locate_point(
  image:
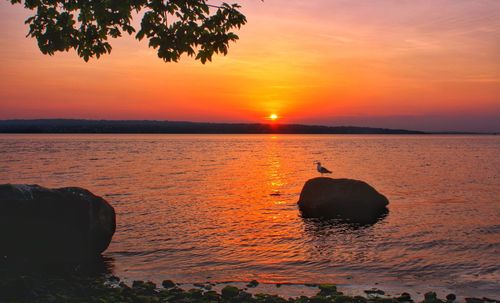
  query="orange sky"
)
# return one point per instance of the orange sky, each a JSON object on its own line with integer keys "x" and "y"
{"x": 388, "y": 63}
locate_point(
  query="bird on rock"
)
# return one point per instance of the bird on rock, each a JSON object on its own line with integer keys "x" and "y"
{"x": 322, "y": 170}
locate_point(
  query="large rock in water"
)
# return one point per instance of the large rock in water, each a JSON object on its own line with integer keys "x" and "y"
{"x": 346, "y": 199}
{"x": 60, "y": 224}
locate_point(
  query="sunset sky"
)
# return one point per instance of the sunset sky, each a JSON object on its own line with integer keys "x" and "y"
{"x": 415, "y": 64}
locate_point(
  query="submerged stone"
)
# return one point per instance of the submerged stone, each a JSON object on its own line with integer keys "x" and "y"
{"x": 195, "y": 293}
{"x": 404, "y": 297}
{"x": 211, "y": 295}
{"x": 430, "y": 297}
{"x": 150, "y": 285}
{"x": 374, "y": 291}
{"x": 230, "y": 291}
{"x": 168, "y": 284}
{"x": 327, "y": 289}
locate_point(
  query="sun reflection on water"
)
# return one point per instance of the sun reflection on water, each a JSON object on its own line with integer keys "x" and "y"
{"x": 192, "y": 207}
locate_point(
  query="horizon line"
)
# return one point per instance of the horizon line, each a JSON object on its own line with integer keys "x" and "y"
{"x": 267, "y": 124}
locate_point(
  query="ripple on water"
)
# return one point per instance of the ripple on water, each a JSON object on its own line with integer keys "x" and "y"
{"x": 196, "y": 206}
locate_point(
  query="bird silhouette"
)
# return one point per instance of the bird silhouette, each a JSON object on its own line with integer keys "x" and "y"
{"x": 322, "y": 170}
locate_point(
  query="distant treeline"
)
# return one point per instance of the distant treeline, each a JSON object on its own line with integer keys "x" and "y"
{"x": 66, "y": 126}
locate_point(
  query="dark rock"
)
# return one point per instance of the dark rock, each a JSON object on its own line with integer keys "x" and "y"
{"x": 273, "y": 299}
{"x": 253, "y": 283}
{"x": 114, "y": 279}
{"x": 374, "y": 291}
{"x": 137, "y": 284}
{"x": 351, "y": 200}
{"x": 207, "y": 287}
{"x": 195, "y": 294}
{"x": 150, "y": 285}
{"x": 404, "y": 297}
{"x": 430, "y": 297}
{"x": 230, "y": 291}
{"x": 211, "y": 296}
{"x": 168, "y": 284}
{"x": 58, "y": 224}
{"x": 244, "y": 296}
{"x": 319, "y": 299}
{"x": 327, "y": 289}
{"x": 123, "y": 285}
{"x": 474, "y": 300}
{"x": 451, "y": 297}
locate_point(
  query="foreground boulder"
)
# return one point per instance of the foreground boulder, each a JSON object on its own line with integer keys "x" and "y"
{"x": 60, "y": 224}
{"x": 346, "y": 199}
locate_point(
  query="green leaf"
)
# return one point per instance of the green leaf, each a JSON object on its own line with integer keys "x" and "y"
{"x": 175, "y": 28}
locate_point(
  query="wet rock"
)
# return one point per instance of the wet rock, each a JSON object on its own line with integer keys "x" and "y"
{"x": 230, "y": 291}
{"x": 327, "y": 289}
{"x": 168, "y": 284}
{"x": 451, "y": 297}
{"x": 430, "y": 297}
{"x": 122, "y": 285}
{"x": 404, "y": 297}
{"x": 149, "y": 285}
{"x": 347, "y": 199}
{"x": 211, "y": 296}
{"x": 114, "y": 279}
{"x": 271, "y": 298}
{"x": 374, "y": 291}
{"x": 244, "y": 296}
{"x": 137, "y": 283}
{"x": 319, "y": 299}
{"x": 207, "y": 287}
{"x": 195, "y": 294}
{"x": 38, "y": 223}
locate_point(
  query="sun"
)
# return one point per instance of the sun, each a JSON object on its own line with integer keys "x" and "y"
{"x": 273, "y": 117}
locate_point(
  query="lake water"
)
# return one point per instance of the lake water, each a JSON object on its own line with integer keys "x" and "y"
{"x": 194, "y": 208}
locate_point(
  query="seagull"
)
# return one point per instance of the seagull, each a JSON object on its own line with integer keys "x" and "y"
{"x": 322, "y": 170}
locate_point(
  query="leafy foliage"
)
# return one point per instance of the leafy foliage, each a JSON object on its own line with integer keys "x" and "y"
{"x": 173, "y": 27}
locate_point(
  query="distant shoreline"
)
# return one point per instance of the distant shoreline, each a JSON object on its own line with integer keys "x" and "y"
{"x": 80, "y": 126}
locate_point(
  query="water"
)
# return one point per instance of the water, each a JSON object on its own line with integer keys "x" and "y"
{"x": 194, "y": 208}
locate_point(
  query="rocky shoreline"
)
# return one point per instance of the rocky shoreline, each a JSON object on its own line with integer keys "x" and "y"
{"x": 38, "y": 288}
